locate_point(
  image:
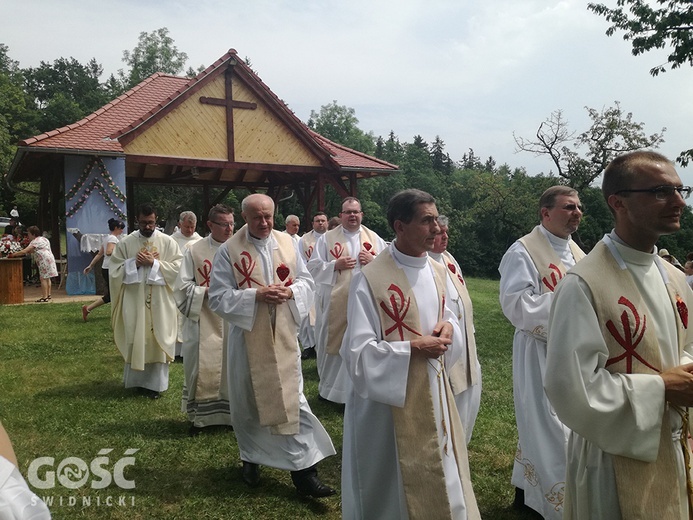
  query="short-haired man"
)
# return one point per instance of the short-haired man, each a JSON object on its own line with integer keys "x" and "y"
{"x": 306, "y": 246}
{"x": 619, "y": 369}
{"x": 292, "y": 225}
{"x": 262, "y": 288}
{"x": 530, "y": 270}
{"x": 205, "y": 391}
{"x": 465, "y": 375}
{"x": 144, "y": 266}
{"x": 338, "y": 254}
{"x": 404, "y": 452}
{"x": 186, "y": 234}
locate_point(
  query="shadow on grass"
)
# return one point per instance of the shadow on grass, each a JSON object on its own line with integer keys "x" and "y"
{"x": 109, "y": 390}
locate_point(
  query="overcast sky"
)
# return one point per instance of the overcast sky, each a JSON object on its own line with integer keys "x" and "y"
{"x": 471, "y": 71}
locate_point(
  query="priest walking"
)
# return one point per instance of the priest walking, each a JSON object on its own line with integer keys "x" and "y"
{"x": 143, "y": 269}
{"x": 261, "y": 286}
{"x": 404, "y": 452}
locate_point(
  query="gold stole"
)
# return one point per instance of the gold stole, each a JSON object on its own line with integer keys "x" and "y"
{"x": 545, "y": 259}
{"x": 308, "y": 244}
{"x": 211, "y": 334}
{"x": 463, "y": 374}
{"x": 645, "y": 489}
{"x": 338, "y": 247}
{"x": 418, "y": 447}
{"x": 271, "y": 344}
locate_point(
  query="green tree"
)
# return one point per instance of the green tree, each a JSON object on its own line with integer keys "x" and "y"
{"x": 154, "y": 52}
{"x": 612, "y": 133}
{"x": 653, "y": 25}
{"x": 339, "y": 123}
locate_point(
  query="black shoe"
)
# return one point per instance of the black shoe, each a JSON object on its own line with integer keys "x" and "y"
{"x": 194, "y": 431}
{"x": 308, "y": 353}
{"x": 309, "y": 485}
{"x": 152, "y": 394}
{"x": 250, "y": 473}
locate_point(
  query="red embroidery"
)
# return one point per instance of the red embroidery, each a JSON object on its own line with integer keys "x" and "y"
{"x": 309, "y": 252}
{"x": 205, "y": 272}
{"x": 368, "y": 247}
{"x": 683, "y": 311}
{"x": 282, "y": 272}
{"x": 337, "y": 251}
{"x": 246, "y": 270}
{"x": 551, "y": 285}
{"x": 630, "y": 339}
{"x": 400, "y": 308}
{"x": 452, "y": 267}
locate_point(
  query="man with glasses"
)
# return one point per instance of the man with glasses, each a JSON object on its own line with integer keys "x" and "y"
{"x": 530, "y": 271}
{"x": 338, "y": 254}
{"x": 619, "y": 369}
{"x": 144, "y": 266}
{"x": 306, "y": 246}
{"x": 205, "y": 390}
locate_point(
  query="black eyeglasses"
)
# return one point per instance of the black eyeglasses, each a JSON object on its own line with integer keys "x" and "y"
{"x": 226, "y": 225}
{"x": 663, "y": 192}
{"x": 572, "y": 207}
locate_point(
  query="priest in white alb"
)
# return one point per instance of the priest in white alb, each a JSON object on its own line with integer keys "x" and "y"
{"x": 261, "y": 287}
{"x": 205, "y": 388}
{"x": 404, "y": 453}
{"x": 144, "y": 266}
{"x": 338, "y": 254}
{"x": 619, "y": 370}
{"x": 530, "y": 270}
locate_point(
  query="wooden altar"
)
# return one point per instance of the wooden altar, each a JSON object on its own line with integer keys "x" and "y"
{"x": 11, "y": 282}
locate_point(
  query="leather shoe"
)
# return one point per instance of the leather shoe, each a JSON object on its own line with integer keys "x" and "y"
{"x": 308, "y": 353}
{"x": 250, "y": 473}
{"x": 311, "y": 486}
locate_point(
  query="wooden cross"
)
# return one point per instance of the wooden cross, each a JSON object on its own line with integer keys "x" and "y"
{"x": 230, "y": 104}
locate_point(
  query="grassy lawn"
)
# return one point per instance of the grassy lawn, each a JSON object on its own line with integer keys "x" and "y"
{"x": 61, "y": 396}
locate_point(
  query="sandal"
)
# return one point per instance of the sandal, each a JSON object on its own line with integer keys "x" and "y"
{"x": 42, "y": 300}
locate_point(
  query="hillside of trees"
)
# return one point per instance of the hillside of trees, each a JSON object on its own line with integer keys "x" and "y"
{"x": 489, "y": 205}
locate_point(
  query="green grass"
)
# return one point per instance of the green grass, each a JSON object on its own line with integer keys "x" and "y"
{"x": 61, "y": 395}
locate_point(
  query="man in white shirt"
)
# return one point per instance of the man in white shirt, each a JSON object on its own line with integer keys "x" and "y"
{"x": 530, "y": 270}
{"x": 293, "y": 225}
{"x": 619, "y": 370}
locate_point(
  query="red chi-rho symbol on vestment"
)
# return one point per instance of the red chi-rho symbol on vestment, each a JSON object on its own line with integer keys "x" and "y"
{"x": 555, "y": 278}
{"x": 205, "y": 272}
{"x": 246, "y": 270}
{"x": 283, "y": 272}
{"x": 337, "y": 250}
{"x": 631, "y": 337}
{"x": 399, "y": 307}
{"x": 309, "y": 252}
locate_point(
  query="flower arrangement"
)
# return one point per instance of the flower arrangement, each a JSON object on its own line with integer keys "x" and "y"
{"x": 9, "y": 245}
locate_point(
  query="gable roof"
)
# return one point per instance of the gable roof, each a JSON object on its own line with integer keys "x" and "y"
{"x": 107, "y": 130}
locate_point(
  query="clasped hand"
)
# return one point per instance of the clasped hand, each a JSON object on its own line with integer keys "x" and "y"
{"x": 435, "y": 344}
{"x": 678, "y": 385}
{"x": 146, "y": 258}
{"x": 274, "y": 293}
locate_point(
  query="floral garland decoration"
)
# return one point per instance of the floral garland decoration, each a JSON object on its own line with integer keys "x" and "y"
{"x": 95, "y": 184}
